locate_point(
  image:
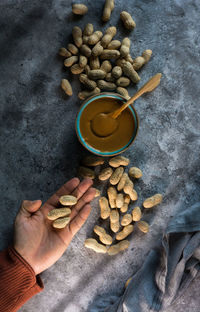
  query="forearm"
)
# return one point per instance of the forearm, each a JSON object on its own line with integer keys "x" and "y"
{"x": 18, "y": 281}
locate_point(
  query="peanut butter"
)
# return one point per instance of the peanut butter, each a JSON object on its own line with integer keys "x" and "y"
{"x": 122, "y": 133}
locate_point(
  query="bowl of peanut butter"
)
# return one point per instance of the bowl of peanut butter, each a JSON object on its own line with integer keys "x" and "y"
{"x": 106, "y": 138}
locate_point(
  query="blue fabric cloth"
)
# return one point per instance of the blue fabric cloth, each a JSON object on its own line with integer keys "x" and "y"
{"x": 168, "y": 270}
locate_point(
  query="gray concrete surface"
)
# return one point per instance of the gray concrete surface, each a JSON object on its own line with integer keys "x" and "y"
{"x": 39, "y": 150}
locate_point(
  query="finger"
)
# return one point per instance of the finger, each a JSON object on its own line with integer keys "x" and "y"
{"x": 29, "y": 207}
{"x": 82, "y": 188}
{"x": 66, "y": 189}
{"x": 85, "y": 199}
{"x": 46, "y": 208}
{"x": 79, "y": 220}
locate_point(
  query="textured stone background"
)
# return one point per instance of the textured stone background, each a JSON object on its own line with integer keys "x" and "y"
{"x": 38, "y": 146}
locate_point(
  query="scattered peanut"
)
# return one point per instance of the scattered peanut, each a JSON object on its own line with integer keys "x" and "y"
{"x": 126, "y": 220}
{"x": 79, "y": 9}
{"x": 136, "y": 214}
{"x": 104, "y": 85}
{"x": 106, "y": 66}
{"x": 125, "y": 47}
{"x": 85, "y": 94}
{"x": 114, "y": 45}
{"x": 147, "y": 55}
{"x": 103, "y": 236}
{"x": 116, "y": 72}
{"x": 120, "y": 61}
{"x": 135, "y": 172}
{"x": 90, "y": 84}
{"x": 143, "y": 226}
{"x": 95, "y": 37}
{"x": 105, "y": 209}
{"x": 95, "y": 74}
{"x": 152, "y": 201}
{"x": 124, "y": 208}
{"x": 123, "y": 92}
{"x": 72, "y": 49}
{"x": 130, "y": 72}
{"x": 119, "y": 200}
{"x": 85, "y": 39}
{"x": 86, "y": 172}
{"x": 114, "y": 221}
{"x": 83, "y": 61}
{"x": 77, "y": 36}
{"x": 97, "y": 49}
{"x": 109, "y": 77}
{"x": 112, "y": 194}
{"x": 94, "y": 62}
{"x": 127, "y": 199}
{"x": 127, "y": 230}
{"x": 109, "y": 54}
{"x": 93, "y": 161}
{"x": 88, "y": 30}
{"x": 76, "y": 69}
{"x": 127, "y": 20}
{"x": 122, "y": 181}
{"x": 108, "y": 7}
{"x": 66, "y": 86}
{"x": 118, "y": 161}
{"x": 123, "y": 82}
{"x": 64, "y": 52}
{"x": 115, "y": 249}
{"x": 68, "y": 200}
{"x": 87, "y": 69}
{"x": 128, "y": 189}
{"x": 94, "y": 245}
{"x": 68, "y": 62}
{"x": 105, "y": 174}
{"x": 116, "y": 176}
{"x": 57, "y": 213}
{"x": 109, "y": 34}
{"x": 128, "y": 58}
{"x": 139, "y": 61}
{"x": 85, "y": 50}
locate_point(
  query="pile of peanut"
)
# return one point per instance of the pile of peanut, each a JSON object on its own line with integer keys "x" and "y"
{"x": 61, "y": 216}
{"x": 115, "y": 207}
{"x": 102, "y": 63}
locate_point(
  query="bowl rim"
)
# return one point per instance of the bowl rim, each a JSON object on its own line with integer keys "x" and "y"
{"x": 93, "y": 150}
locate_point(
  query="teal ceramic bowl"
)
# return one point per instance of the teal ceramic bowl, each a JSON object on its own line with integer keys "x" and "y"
{"x": 87, "y": 102}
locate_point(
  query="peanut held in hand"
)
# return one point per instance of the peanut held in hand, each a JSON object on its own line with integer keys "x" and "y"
{"x": 57, "y": 213}
{"x": 68, "y": 200}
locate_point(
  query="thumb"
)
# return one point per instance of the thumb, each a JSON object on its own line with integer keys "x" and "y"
{"x": 28, "y": 207}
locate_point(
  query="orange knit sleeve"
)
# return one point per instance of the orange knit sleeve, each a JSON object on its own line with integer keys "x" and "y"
{"x": 18, "y": 282}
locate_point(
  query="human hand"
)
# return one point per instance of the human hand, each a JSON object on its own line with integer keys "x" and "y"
{"x": 36, "y": 240}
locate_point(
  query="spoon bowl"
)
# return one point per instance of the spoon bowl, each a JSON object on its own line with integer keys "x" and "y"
{"x": 103, "y": 125}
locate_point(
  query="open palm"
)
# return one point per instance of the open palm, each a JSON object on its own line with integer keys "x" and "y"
{"x": 36, "y": 240}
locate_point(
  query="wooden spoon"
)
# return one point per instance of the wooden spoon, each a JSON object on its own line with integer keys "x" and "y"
{"x": 105, "y": 124}
{"x": 149, "y": 86}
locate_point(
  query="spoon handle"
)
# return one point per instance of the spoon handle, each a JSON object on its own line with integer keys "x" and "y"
{"x": 149, "y": 86}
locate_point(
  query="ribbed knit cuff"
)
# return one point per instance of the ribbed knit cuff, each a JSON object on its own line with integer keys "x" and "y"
{"x": 18, "y": 281}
